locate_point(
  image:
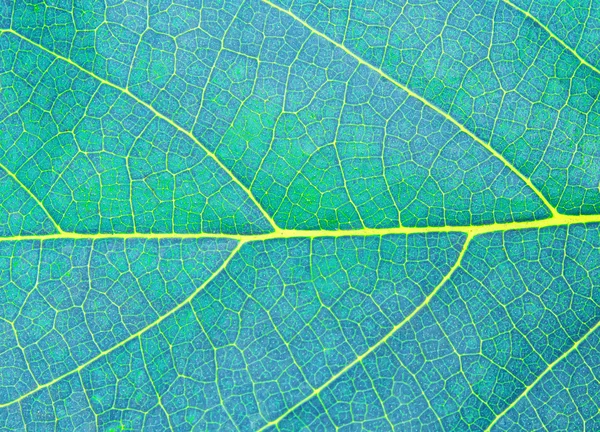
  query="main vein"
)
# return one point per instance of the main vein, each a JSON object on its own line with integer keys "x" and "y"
{"x": 134, "y": 335}
{"x": 431, "y": 105}
{"x": 383, "y": 340}
{"x": 291, "y": 233}
{"x": 471, "y": 231}
{"x": 159, "y": 115}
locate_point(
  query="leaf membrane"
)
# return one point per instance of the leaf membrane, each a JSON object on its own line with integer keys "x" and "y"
{"x": 292, "y": 215}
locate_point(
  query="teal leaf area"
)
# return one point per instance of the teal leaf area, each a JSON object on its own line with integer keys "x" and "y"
{"x": 300, "y": 215}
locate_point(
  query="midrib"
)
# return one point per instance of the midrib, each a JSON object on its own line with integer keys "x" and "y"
{"x": 291, "y": 233}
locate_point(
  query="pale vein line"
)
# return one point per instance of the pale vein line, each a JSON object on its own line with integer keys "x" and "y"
{"x": 135, "y": 335}
{"x": 546, "y": 371}
{"x": 438, "y": 110}
{"x": 39, "y": 203}
{"x": 157, "y": 114}
{"x": 291, "y": 233}
{"x": 383, "y": 340}
{"x": 553, "y": 36}
{"x": 471, "y": 231}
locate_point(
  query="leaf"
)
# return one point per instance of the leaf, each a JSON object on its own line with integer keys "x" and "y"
{"x": 299, "y": 215}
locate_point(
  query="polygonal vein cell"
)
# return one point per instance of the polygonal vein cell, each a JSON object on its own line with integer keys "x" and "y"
{"x": 495, "y": 71}
{"x": 518, "y": 302}
{"x": 100, "y": 162}
{"x": 576, "y": 26}
{"x": 64, "y": 302}
{"x": 285, "y": 315}
{"x": 20, "y": 213}
{"x": 101, "y": 114}
{"x": 566, "y": 398}
{"x": 267, "y": 98}
{"x": 277, "y": 322}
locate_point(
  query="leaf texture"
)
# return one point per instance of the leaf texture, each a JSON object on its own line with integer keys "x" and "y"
{"x": 299, "y": 215}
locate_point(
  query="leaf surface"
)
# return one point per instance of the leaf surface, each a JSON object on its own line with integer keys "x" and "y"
{"x": 299, "y": 215}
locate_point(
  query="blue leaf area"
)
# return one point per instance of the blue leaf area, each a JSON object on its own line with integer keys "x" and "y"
{"x": 299, "y": 215}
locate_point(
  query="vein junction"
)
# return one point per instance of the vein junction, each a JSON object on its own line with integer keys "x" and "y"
{"x": 471, "y": 231}
{"x": 291, "y": 233}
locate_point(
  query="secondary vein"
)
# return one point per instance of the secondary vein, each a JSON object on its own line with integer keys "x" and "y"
{"x": 383, "y": 340}
{"x": 431, "y": 105}
{"x": 159, "y": 115}
{"x": 32, "y": 195}
{"x": 134, "y": 335}
{"x": 553, "y": 36}
{"x": 546, "y": 371}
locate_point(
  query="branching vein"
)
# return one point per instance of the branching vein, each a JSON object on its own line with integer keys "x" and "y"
{"x": 293, "y": 233}
{"x": 134, "y": 335}
{"x": 383, "y": 340}
{"x": 542, "y": 375}
{"x": 32, "y": 195}
{"x": 438, "y": 110}
{"x": 161, "y": 116}
{"x": 553, "y": 36}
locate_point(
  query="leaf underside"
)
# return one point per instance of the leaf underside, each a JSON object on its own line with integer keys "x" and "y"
{"x": 299, "y": 215}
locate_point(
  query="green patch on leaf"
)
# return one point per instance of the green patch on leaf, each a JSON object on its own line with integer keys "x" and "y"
{"x": 299, "y": 215}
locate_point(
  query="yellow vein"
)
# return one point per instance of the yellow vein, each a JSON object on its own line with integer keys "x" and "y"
{"x": 135, "y": 335}
{"x": 291, "y": 233}
{"x": 157, "y": 114}
{"x": 39, "y": 203}
{"x": 380, "y": 342}
{"x": 553, "y": 36}
{"x": 546, "y": 371}
{"x": 438, "y": 110}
